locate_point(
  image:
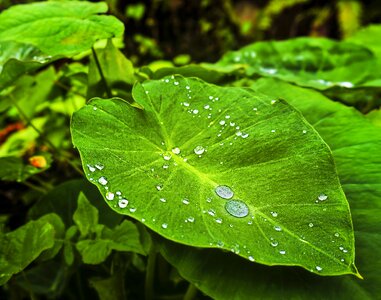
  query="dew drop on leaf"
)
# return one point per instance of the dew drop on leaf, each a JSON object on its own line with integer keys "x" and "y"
{"x": 163, "y": 200}
{"x": 199, "y": 150}
{"x": 176, "y": 150}
{"x": 99, "y": 166}
{"x": 185, "y": 201}
{"x": 164, "y": 225}
{"x": 251, "y": 258}
{"x": 102, "y": 180}
{"x": 91, "y": 168}
{"x": 318, "y": 268}
{"x": 277, "y": 228}
{"x": 282, "y": 252}
{"x": 274, "y": 214}
{"x": 110, "y": 196}
{"x": 123, "y": 203}
{"x": 322, "y": 197}
{"x": 219, "y": 221}
{"x": 237, "y": 208}
{"x": 224, "y": 192}
{"x": 167, "y": 157}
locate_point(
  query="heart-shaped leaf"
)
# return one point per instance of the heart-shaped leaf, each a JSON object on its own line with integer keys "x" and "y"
{"x": 219, "y": 167}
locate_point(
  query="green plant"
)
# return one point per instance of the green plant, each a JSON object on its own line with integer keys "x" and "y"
{"x": 255, "y": 177}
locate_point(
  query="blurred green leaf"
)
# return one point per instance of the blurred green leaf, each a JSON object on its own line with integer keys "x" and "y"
{"x": 20, "y": 247}
{"x": 59, "y": 28}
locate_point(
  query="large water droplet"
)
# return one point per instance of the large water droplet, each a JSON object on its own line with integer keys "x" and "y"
{"x": 163, "y": 200}
{"x": 199, "y": 150}
{"x": 274, "y": 243}
{"x": 103, "y": 180}
{"x": 176, "y": 150}
{"x": 322, "y": 197}
{"x": 237, "y": 208}
{"x": 123, "y": 203}
{"x": 318, "y": 268}
{"x": 164, "y": 225}
{"x": 224, "y": 192}
{"x": 167, "y": 157}
{"x": 251, "y": 258}
{"x": 110, "y": 196}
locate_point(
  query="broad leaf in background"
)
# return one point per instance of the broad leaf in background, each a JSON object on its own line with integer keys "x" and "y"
{"x": 312, "y": 62}
{"x": 368, "y": 37}
{"x": 59, "y": 28}
{"x": 214, "y": 167}
{"x": 17, "y": 59}
{"x": 20, "y": 247}
{"x": 350, "y": 136}
{"x": 118, "y": 70}
{"x": 85, "y": 216}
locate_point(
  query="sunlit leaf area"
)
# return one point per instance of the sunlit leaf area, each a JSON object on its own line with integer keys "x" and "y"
{"x": 167, "y": 150}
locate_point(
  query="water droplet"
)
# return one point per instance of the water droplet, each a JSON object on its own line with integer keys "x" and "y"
{"x": 103, "y": 180}
{"x": 274, "y": 214}
{"x": 207, "y": 106}
{"x": 251, "y": 258}
{"x": 94, "y": 108}
{"x": 176, "y": 83}
{"x": 222, "y": 122}
{"x": 186, "y": 104}
{"x": 337, "y": 234}
{"x": 91, "y": 168}
{"x": 238, "y": 133}
{"x": 250, "y": 222}
{"x": 110, "y": 196}
{"x": 244, "y": 135}
{"x": 318, "y": 268}
{"x": 190, "y": 219}
{"x": 211, "y": 212}
{"x": 255, "y": 109}
{"x": 282, "y": 252}
{"x": 195, "y": 111}
{"x": 122, "y": 203}
{"x": 159, "y": 187}
{"x": 277, "y": 228}
{"x": 163, "y": 200}
{"x": 132, "y": 209}
{"x": 210, "y": 97}
{"x": 322, "y": 197}
{"x": 311, "y": 225}
{"x": 273, "y": 130}
{"x": 274, "y": 243}
{"x": 237, "y": 208}
{"x": 209, "y": 200}
{"x": 166, "y": 80}
{"x": 99, "y": 166}
{"x": 342, "y": 260}
{"x": 220, "y": 244}
{"x": 224, "y": 192}
{"x": 167, "y": 157}
{"x": 273, "y": 101}
{"x": 176, "y": 150}
{"x": 185, "y": 201}
{"x": 118, "y": 193}
{"x": 199, "y": 150}
{"x": 219, "y": 221}
{"x": 232, "y": 124}
{"x": 304, "y": 131}
{"x": 164, "y": 225}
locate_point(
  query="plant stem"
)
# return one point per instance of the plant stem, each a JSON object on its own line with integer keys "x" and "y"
{"x": 191, "y": 292}
{"x": 108, "y": 91}
{"x": 150, "y": 274}
{"x": 36, "y": 188}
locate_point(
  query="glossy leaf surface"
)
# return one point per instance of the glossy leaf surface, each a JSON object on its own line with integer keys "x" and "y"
{"x": 349, "y": 135}
{"x": 176, "y": 164}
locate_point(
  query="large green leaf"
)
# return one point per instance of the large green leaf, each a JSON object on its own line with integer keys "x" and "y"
{"x": 175, "y": 164}
{"x": 20, "y": 247}
{"x": 356, "y": 147}
{"x": 312, "y": 62}
{"x": 369, "y": 37}
{"x": 61, "y": 28}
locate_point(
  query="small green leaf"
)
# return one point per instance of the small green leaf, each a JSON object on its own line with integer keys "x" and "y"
{"x": 176, "y": 165}
{"x": 62, "y": 28}
{"x": 124, "y": 237}
{"x": 111, "y": 288}
{"x": 85, "y": 216}
{"x": 20, "y": 247}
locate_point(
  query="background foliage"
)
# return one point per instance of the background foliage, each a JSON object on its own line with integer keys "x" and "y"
{"x": 58, "y": 237}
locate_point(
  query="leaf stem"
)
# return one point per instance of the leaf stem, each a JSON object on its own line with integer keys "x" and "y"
{"x": 150, "y": 274}
{"x": 36, "y": 188}
{"x": 108, "y": 91}
{"x": 191, "y": 292}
